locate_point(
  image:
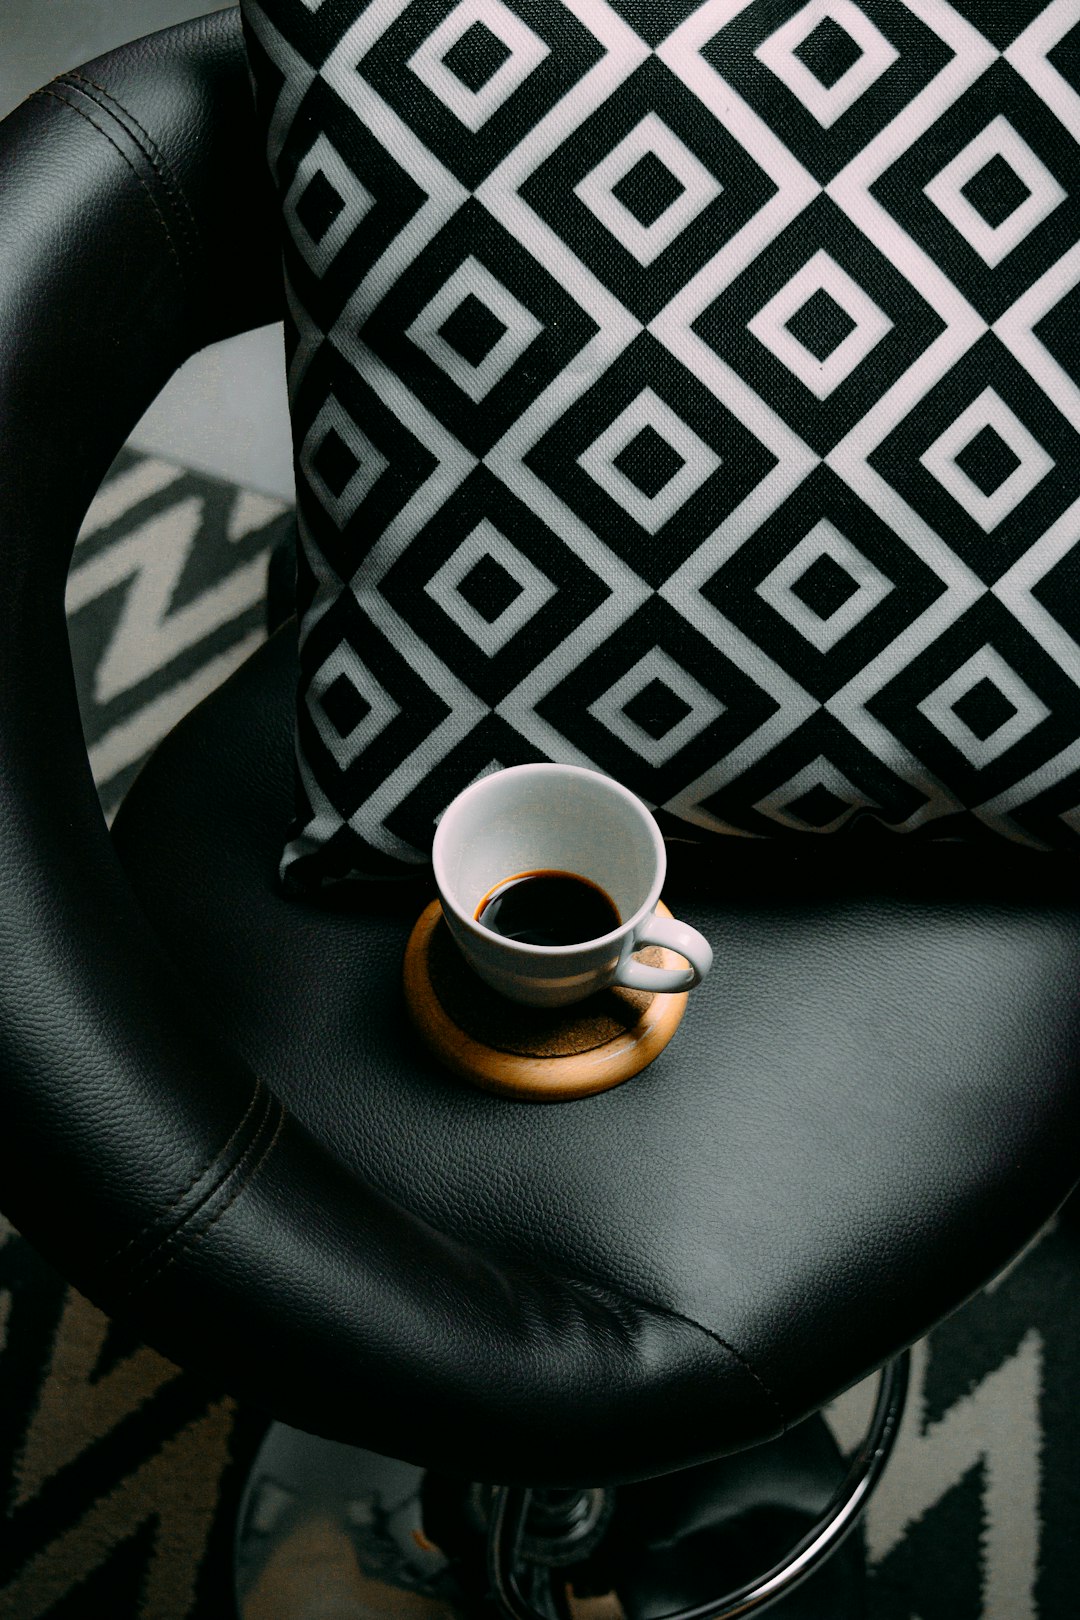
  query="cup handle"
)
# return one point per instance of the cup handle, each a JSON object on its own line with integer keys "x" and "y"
{"x": 673, "y": 936}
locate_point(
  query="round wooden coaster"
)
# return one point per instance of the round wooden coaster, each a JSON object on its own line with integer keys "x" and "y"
{"x": 536, "y": 1054}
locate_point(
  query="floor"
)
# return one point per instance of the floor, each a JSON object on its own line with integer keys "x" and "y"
{"x": 225, "y": 413}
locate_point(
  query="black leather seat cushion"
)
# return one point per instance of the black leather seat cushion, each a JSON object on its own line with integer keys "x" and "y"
{"x": 869, "y": 1106}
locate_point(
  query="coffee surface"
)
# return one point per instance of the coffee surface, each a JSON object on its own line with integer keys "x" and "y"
{"x": 548, "y": 908}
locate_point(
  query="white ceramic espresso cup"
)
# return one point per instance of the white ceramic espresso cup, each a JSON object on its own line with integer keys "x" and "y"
{"x": 562, "y": 818}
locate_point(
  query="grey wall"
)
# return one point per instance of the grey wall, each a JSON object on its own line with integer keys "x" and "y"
{"x": 40, "y": 38}
{"x": 226, "y": 412}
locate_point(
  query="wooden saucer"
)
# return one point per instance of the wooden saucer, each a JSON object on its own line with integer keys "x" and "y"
{"x": 535, "y": 1054}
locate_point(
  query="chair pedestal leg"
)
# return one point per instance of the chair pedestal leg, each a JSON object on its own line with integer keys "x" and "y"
{"x": 331, "y": 1532}
{"x": 677, "y": 1543}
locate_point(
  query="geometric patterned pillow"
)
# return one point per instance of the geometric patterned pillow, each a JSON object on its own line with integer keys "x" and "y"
{"x": 690, "y": 390}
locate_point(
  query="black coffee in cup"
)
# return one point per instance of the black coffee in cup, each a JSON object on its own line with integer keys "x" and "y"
{"x": 548, "y": 908}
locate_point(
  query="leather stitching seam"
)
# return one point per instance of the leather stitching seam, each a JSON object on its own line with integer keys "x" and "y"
{"x": 747, "y": 1365}
{"x": 151, "y": 151}
{"x": 187, "y": 1236}
{"x": 200, "y": 1175}
{"x": 689, "y": 1321}
{"x": 122, "y": 155}
{"x": 209, "y": 1210}
{"x": 187, "y": 1218}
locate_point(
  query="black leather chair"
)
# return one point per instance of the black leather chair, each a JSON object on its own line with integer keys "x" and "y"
{"x": 215, "y": 1118}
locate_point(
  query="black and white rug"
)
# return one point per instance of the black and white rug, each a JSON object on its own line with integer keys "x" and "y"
{"x": 166, "y": 597}
{"x": 120, "y": 1476}
{"x": 976, "y": 1518}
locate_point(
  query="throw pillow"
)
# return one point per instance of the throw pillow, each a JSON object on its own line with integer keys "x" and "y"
{"x": 689, "y": 390}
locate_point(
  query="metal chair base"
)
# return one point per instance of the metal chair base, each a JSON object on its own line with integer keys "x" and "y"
{"x": 329, "y": 1532}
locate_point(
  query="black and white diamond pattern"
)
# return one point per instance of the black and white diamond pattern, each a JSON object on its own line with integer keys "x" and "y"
{"x": 818, "y": 798}
{"x": 984, "y": 707}
{"x": 470, "y": 81}
{"x": 348, "y": 199}
{"x": 820, "y": 324}
{"x": 828, "y": 55}
{"x": 489, "y": 587}
{"x": 994, "y": 233}
{"x": 656, "y": 707}
{"x": 352, "y": 480}
{"x": 648, "y": 189}
{"x": 995, "y": 191}
{"x": 340, "y": 462}
{"x": 645, "y": 184}
{"x": 477, "y": 329}
{"x": 347, "y": 704}
{"x": 819, "y": 779}
{"x": 827, "y": 77}
{"x": 987, "y": 460}
{"x": 650, "y": 461}
{"x": 690, "y": 391}
{"x": 655, "y": 703}
{"x": 324, "y": 204}
{"x": 825, "y": 586}
{"x": 474, "y": 357}
{"x": 476, "y": 59}
{"x": 842, "y": 324}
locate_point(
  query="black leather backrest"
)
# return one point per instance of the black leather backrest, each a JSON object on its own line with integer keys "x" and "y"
{"x": 126, "y": 242}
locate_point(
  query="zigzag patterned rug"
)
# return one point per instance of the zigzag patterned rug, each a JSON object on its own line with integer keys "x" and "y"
{"x": 120, "y": 1476}
{"x": 165, "y": 598}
